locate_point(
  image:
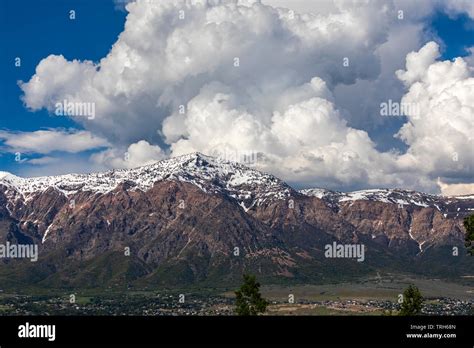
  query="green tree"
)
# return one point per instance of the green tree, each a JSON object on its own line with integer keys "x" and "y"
{"x": 412, "y": 301}
{"x": 469, "y": 226}
{"x": 249, "y": 300}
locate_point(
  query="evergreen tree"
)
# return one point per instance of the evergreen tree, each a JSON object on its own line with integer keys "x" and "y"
{"x": 412, "y": 301}
{"x": 469, "y": 226}
{"x": 249, "y": 300}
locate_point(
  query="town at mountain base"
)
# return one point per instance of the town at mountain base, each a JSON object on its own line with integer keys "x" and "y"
{"x": 201, "y": 220}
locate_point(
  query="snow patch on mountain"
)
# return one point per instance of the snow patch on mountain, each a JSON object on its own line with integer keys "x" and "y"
{"x": 449, "y": 206}
{"x": 396, "y": 196}
{"x": 465, "y": 197}
{"x": 210, "y": 174}
{"x": 249, "y": 187}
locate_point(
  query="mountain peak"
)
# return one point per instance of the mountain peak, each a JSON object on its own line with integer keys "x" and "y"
{"x": 9, "y": 178}
{"x": 248, "y": 186}
{"x": 208, "y": 173}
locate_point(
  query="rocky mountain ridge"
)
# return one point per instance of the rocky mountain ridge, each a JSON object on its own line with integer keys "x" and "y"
{"x": 196, "y": 218}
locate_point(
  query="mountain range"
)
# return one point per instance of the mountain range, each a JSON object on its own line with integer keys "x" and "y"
{"x": 200, "y": 220}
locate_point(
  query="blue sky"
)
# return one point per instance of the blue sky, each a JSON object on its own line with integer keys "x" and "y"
{"x": 33, "y": 30}
{"x": 456, "y": 33}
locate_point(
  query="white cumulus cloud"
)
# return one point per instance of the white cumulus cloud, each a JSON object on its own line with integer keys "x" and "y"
{"x": 138, "y": 154}
{"x": 440, "y": 132}
{"x": 298, "y": 88}
{"x": 50, "y": 140}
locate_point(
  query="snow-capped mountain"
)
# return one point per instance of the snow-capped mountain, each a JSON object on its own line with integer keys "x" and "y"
{"x": 210, "y": 174}
{"x": 396, "y": 196}
{"x": 444, "y": 204}
{"x": 187, "y": 215}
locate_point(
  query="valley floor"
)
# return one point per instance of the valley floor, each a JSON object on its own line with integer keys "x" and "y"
{"x": 376, "y": 296}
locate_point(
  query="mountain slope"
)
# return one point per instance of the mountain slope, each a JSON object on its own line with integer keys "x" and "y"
{"x": 197, "y": 219}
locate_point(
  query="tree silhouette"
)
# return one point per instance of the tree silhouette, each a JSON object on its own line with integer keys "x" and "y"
{"x": 249, "y": 300}
{"x": 412, "y": 301}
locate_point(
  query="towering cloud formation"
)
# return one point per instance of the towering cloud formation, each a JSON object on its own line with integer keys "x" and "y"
{"x": 227, "y": 75}
{"x": 441, "y": 133}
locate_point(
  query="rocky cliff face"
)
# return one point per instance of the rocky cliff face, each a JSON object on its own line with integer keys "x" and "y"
{"x": 200, "y": 219}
